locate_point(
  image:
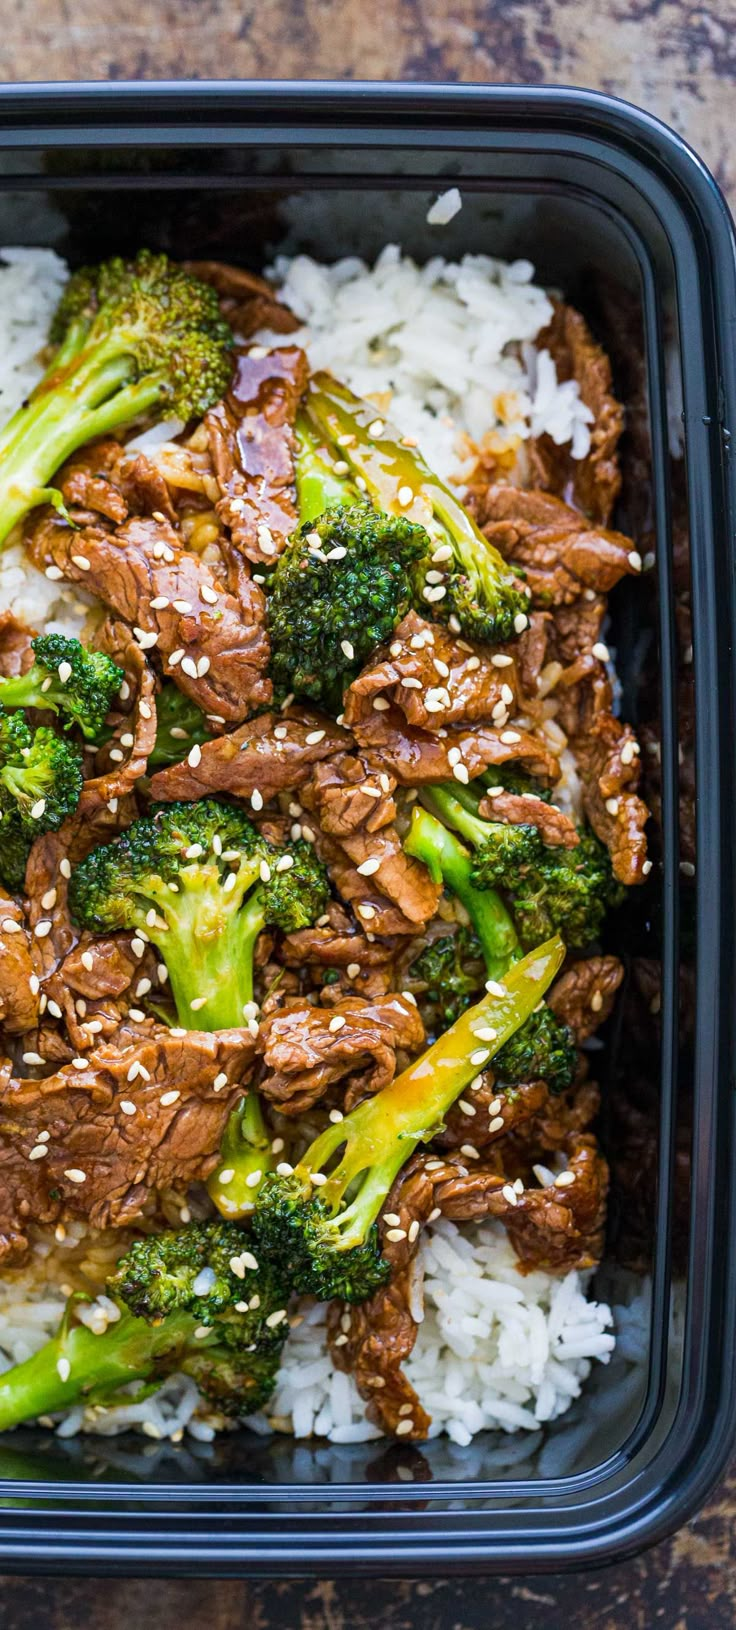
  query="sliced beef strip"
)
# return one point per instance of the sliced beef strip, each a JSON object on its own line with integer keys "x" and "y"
{"x": 339, "y": 943}
{"x": 371, "y": 1342}
{"x": 306, "y": 1049}
{"x": 246, "y": 301}
{"x": 16, "y": 651}
{"x": 375, "y": 912}
{"x": 403, "y": 880}
{"x": 104, "y": 480}
{"x": 351, "y": 796}
{"x": 592, "y": 483}
{"x": 555, "y": 1228}
{"x": 481, "y": 1117}
{"x": 275, "y": 752}
{"x": 556, "y": 548}
{"x": 583, "y": 995}
{"x": 610, "y": 769}
{"x": 223, "y": 644}
{"x": 252, "y": 442}
{"x": 549, "y": 1129}
{"x": 524, "y": 809}
{"x": 95, "y": 987}
{"x": 19, "y": 987}
{"x": 103, "y": 1163}
{"x": 418, "y": 757}
{"x": 436, "y": 679}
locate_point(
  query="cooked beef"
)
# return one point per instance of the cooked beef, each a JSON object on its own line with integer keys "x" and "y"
{"x": 351, "y": 796}
{"x": 103, "y": 480}
{"x": 274, "y": 752}
{"x": 583, "y": 996}
{"x": 19, "y": 987}
{"x": 593, "y": 482}
{"x": 524, "y": 809}
{"x": 306, "y": 1049}
{"x": 366, "y": 967}
{"x": 403, "y": 880}
{"x": 16, "y": 651}
{"x": 483, "y": 1116}
{"x": 556, "y": 548}
{"x": 138, "y": 1116}
{"x": 555, "y": 1228}
{"x": 371, "y": 1342}
{"x": 435, "y": 679}
{"x": 217, "y": 650}
{"x": 247, "y": 301}
{"x": 417, "y": 757}
{"x": 610, "y": 769}
{"x": 377, "y": 914}
{"x": 252, "y": 441}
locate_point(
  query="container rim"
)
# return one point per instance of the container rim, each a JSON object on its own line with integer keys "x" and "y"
{"x": 119, "y": 113}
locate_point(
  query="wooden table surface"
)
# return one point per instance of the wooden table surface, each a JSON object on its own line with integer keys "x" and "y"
{"x": 677, "y": 58}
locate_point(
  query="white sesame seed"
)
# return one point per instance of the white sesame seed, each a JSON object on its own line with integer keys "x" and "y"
{"x": 82, "y": 562}
{"x": 264, "y": 872}
{"x": 434, "y": 577}
{"x": 461, "y": 773}
{"x": 10, "y": 926}
{"x": 160, "y": 603}
{"x": 34, "y": 984}
{"x": 480, "y": 1057}
{"x": 367, "y": 912}
{"x": 256, "y": 799}
{"x": 337, "y": 1023}
{"x": 596, "y": 1001}
{"x": 509, "y": 1193}
{"x": 496, "y": 1123}
{"x": 38, "y": 808}
{"x": 253, "y": 1179}
{"x": 54, "y": 573}
{"x": 347, "y": 649}
{"x": 395, "y": 1234}
{"x": 189, "y": 667}
{"x": 183, "y": 606}
{"x": 381, "y": 704}
{"x": 175, "y": 658}
{"x": 41, "y": 929}
{"x": 367, "y": 868}
{"x": 405, "y": 496}
{"x": 208, "y": 594}
{"x": 38, "y": 1152}
{"x": 635, "y": 560}
{"x": 285, "y": 863}
{"x": 226, "y": 1176}
{"x": 32, "y": 1058}
{"x": 601, "y": 651}
{"x": 63, "y": 1369}
{"x": 470, "y": 1151}
{"x": 521, "y": 621}
{"x": 127, "y": 1106}
{"x": 170, "y": 1097}
{"x": 467, "y": 1109}
{"x": 197, "y": 1003}
{"x": 203, "y": 667}
{"x": 612, "y": 806}
{"x": 564, "y": 1179}
{"x": 284, "y": 1169}
{"x": 145, "y": 641}
{"x": 308, "y": 835}
{"x": 376, "y": 428}
{"x": 485, "y": 1033}
{"x": 314, "y": 737}
{"x": 336, "y": 1116}
{"x": 687, "y": 868}
{"x": 353, "y": 970}
{"x": 646, "y": 868}
{"x": 472, "y": 663}
{"x": 75, "y": 1174}
{"x": 509, "y": 737}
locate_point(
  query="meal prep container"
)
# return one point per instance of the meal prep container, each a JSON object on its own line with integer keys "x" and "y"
{"x": 615, "y": 211}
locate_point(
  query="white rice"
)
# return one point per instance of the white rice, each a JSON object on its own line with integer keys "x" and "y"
{"x": 448, "y": 349}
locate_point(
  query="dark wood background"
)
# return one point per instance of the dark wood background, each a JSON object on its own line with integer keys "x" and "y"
{"x": 678, "y": 59}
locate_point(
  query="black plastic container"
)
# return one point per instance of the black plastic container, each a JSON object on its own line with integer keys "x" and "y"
{"x": 613, "y": 209}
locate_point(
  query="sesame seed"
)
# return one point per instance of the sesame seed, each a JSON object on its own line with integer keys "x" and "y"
{"x": 317, "y": 1178}
{"x": 34, "y": 984}
{"x": 38, "y": 808}
{"x": 79, "y": 1063}
{"x": 521, "y": 621}
{"x": 75, "y": 1175}
{"x": 112, "y": 804}
{"x": 480, "y": 1057}
{"x": 470, "y": 1151}
{"x": 337, "y": 1023}
{"x": 486, "y": 1034}
{"x": 353, "y": 970}
{"x": 395, "y": 1235}
{"x": 175, "y": 659}
{"x": 612, "y": 806}
{"x": 441, "y": 667}
{"x": 63, "y": 1369}
{"x": 253, "y": 1179}
{"x": 295, "y": 831}
{"x": 596, "y": 1001}
{"x": 41, "y": 929}
{"x": 137, "y": 947}
{"x": 38, "y": 1152}
{"x": 461, "y": 773}
{"x": 208, "y": 594}
{"x": 687, "y": 868}
{"x": 433, "y": 577}
{"x": 381, "y": 704}
{"x": 256, "y": 799}
{"x": 510, "y": 737}
{"x": 467, "y": 1109}
{"x": 413, "y": 1231}
{"x": 314, "y": 737}
{"x": 65, "y": 868}
{"x": 336, "y": 1116}
{"x": 32, "y": 1058}
{"x": 226, "y": 1176}
{"x": 43, "y": 1137}
{"x": 285, "y": 863}
{"x": 376, "y": 428}
{"x": 284, "y": 1169}
{"x": 183, "y": 606}
{"x": 54, "y": 573}
{"x": 308, "y": 834}
{"x": 392, "y": 1218}
{"x": 367, "y": 912}
{"x": 500, "y": 660}
{"x": 145, "y": 641}
{"x": 264, "y": 872}
{"x": 646, "y": 868}
{"x": 433, "y": 1165}
{"x": 10, "y": 926}
{"x": 409, "y": 997}
{"x": 402, "y": 1427}
{"x": 347, "y": 649}
{"x": 496, "y": 1124}
{"x": 564, "y": 1180}
{"x": 601, "y": 651}
{"x": 635, "y": 560}
{"x": 472, "y": 663}
{"x": 495, "y": 989}
{"x": 82, "y": 562}
{"x": 368, "y": 867}
{"x": 509, "y": 1194}
{"x": 197, "y": 1003}
{"x": 494, "y": 1108}
{"x": 170, "y": 1097}
{"x": 203, "y": 667}
{"x": 127, "y": 1106}
{"x": 160, "y": 603}
{"x": 189, "y": 667}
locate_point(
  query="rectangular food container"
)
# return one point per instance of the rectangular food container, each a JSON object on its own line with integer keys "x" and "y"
{"x": 615, "y": 211}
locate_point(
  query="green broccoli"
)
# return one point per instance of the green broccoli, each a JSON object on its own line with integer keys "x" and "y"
{"x": 462, "y": 579}
{"x": 40, "y": 776}
{"x": 131, "y": 338}
{"x": 318, "y": 1223}
{"x": 549, "y": 888}
{"x": 15, "y": 847}
{"x": 543, "y": 1046}
{"x": 201, "y": 883}
{"x": 66, "y": 678}
{"x": 340, "y": 587}
{"x": 179, "y": 724}
{"x": 191, "y": 1300}
{"x": 452, "y": 969}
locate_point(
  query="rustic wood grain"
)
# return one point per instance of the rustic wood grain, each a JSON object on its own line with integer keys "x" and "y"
{"x": 678, "y": 59}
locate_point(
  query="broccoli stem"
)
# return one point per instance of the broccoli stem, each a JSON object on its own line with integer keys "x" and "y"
{"x": 383, "y": 1132}
{"x": 129, "y": 1351}
{"x": 317, "y": 485}
{"x": 449, "y": 862}
{"x": 219, "y": 960}
{"x": 45, "y": 432}
{"x": 245, "y": 1158}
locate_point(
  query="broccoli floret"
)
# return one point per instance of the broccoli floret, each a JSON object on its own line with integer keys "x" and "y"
{"x": 132, "y": 338}
{"x": 66, "y": 678}
{"x": 542, "y": 1050}
{"x": 569, "y": 889}
{"x": 452, "y": 969}
{"x": 179, "y": 724}
{"x": 201, "y": 883}
{"x": 512, "y": 779}
{"x": 188, "y": 1300}
{"x": 40, "y": 775}
{"x": 542, "y": 1044}
{"x": 318, "y": 1224}
{"x": 476, "y": 588}
{"x": 500, "y": 848}
{"x": 15, "y": 847}
{"x": 340, "y": 587}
